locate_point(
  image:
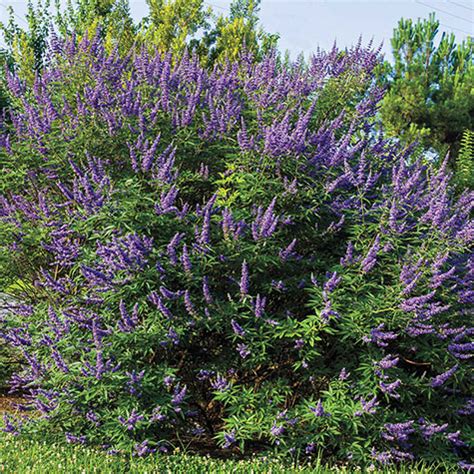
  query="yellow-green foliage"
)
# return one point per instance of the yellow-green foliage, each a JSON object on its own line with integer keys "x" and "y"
{"x": 240, "y": 29}
{"x": 171, "y": 23}
{"x": 27, "y": 46}
{"x": 111, "y": 17}
{"x": 233, "y": 34}
{"x": 24, "y": 57}
{"x": 464, "y": 174}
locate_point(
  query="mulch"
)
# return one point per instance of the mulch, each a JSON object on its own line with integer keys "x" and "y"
{"x": 8, "y": 404}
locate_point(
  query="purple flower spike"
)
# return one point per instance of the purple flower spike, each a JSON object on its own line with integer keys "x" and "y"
{"x": 442, "y": 378}
{"x": 390, "y": 388}
{"x": 229, "y": 439}
{"x": 220, "y": 384}
{"x": 206, "y": 290}
{"x": 343, "y": 374}
{"x": 131, "y": 422}
{"x": 259, "y": 306}
{"x": 179, "y": 395}
{"x": 244, "y": 279}
{"x": 277, "y": 430}
{"x": 371, "y": 258}
{"x": 243, "y": 350}
{"x": 332, "y": 283}
{"x": 238, "y": 330}
{"x": 319, "y": 410}
{"x": 185, "y": 260}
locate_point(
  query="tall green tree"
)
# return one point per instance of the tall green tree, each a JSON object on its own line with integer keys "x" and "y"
{"x": 430, "y": 95}
{"x": 112, "y": 17}
{"x": 26, "y": 44}
{"x": 172, "y": 25}
{"x": 227, "y": 35}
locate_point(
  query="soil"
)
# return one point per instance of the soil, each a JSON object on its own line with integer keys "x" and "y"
{"x": 8, "y": 404}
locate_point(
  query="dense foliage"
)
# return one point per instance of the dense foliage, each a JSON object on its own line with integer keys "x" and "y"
{"x": 202, "y": 255}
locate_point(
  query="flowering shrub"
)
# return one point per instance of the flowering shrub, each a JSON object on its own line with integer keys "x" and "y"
{"x": 203, "y": 256}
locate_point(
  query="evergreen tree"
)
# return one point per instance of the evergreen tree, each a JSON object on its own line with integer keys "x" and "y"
{"x": 430, "y": 87}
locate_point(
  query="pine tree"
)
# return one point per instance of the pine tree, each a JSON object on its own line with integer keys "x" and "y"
{"x": 429, "y": 97}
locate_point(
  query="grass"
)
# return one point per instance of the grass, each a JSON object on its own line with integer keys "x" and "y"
{"x": 18, "y": 455}
{"x": 21, "y": 456}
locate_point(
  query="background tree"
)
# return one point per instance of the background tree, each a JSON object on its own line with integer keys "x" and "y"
{"x": 240, "y": 29}
{"x": 172, "y": 25}
{"x": 430, "y": 86}
{"x": 87, "y": 16}
{"x": 26, "y": 46}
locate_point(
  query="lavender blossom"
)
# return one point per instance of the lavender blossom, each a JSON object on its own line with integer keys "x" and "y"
{"x": 348, "y": 258}
{"x": 259, "y": 306}
{"x": 369, "y": 407}
{"x": 220, "y": 384}
{"x": 185, "y": 260}
{"x": 128, "y": 321}
{"x": 244, "y": 279}
{"x": 206, "y": 290}
{"x": 343, "y": 374}
{"x": 399, "y": 432}
{"x": 332, "y": 282}
{"x": 388, "y": 362}
{"x": 265, "y": 223}
{"x": 243, "y": 350}
{"x": 9, "y": 426}
{"x": 454, "y": 439}
{"x": 229, "y": 439}
{"x": 171, "y": 248}
{"x": 158, "y": 302}
{"x": 287, "y": 252}
{"x": 238, "y": 330}
{"x": 327, "y": 312}
{"x": 157, "y": 415}
{"x": 179, "y": 395}
{"x": 442, "y": 378}
{"x": 73, "y": 439}
{"x": 430, "y": 429}
{"x": 188, "y": 304}
{"x": 467, "y": 409}
{"x": 371, "y": 258}
{"x": 277, "y": 430}
{"x": 390, "y": 388}
{"x": 299, "y": 343}
{"x": 143, "y": 449}
{"x": 380, "y": 337}
{"x": 319, "y": 410}
{"x": 134, "y": 381}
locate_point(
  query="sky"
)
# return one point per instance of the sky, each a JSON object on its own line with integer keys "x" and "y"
{"x": 305, "y": 25}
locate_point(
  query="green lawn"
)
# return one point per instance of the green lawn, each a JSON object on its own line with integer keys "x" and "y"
{"x": 21, "y": 456}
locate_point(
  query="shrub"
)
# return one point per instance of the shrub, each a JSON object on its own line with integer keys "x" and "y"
{"x": 464, "y": 173}
{"x": 205, "y": 258}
